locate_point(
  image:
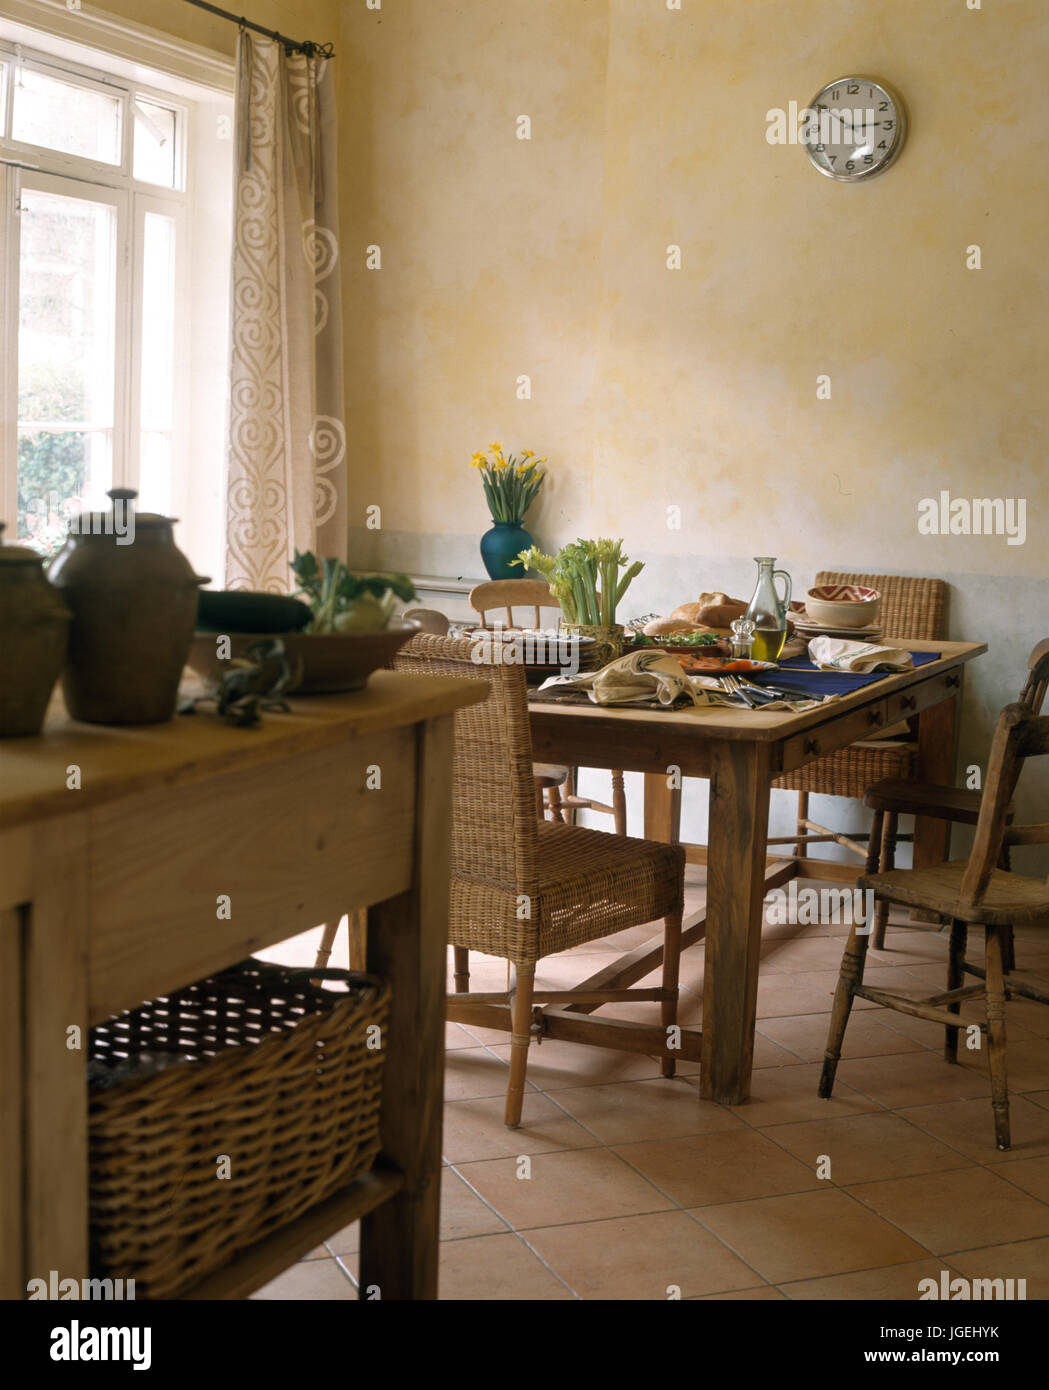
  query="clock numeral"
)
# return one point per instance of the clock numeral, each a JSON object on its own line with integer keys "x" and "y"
{"x": 835, "y": 95}
{"x": 883, "y": 106}
{"x": 882, "y": 145}
{"x": 831, "y": 158}
{"x": 870, "y": 91}
{"x": 888, "y": 124}
{"x": 820, "y": 149}
{"x": 850, "y": 164}
{"x": 853, "y": 89}
{"x": 868, "y": 159}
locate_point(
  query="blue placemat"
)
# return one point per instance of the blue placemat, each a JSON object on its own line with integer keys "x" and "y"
{"x": 801, "y": 675}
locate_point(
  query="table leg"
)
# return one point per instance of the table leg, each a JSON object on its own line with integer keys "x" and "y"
{"x": 739, "y": 812}
{"x": 937, "y": 750}
{"x": 55, "y": 1088}
{"x": 662, "y": 809}
{"x": 12, "y": 1062}
{"x": 407, "y": 943}
{"x": 937, "y": 753}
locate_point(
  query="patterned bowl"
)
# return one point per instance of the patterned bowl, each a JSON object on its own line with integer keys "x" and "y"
{"x": 843, "y": 605}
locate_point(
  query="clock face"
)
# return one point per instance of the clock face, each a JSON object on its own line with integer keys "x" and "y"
{"x": 854, "y": 129}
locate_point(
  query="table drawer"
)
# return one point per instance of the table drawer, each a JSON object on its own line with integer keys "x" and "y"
{"x": 906, "y": 703}
{"x": 290, "y": 843}
{"x": 822, "y": 739}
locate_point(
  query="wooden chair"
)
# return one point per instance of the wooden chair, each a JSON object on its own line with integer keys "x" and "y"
{"x": 959, "y": 805}
{"x": 965, "y": 892}
{"x": 910, "y": 608}
{"x": 555, "y": 780}
{"x": 522, "y": 888}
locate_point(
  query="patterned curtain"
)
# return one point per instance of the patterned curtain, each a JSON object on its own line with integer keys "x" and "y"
{"x": 286, "y": 482}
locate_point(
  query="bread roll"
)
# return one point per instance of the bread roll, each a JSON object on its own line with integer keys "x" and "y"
{"x": 687, "y": 613}
{"x": 722, "y": 614}
{"x": 666, "y": 627}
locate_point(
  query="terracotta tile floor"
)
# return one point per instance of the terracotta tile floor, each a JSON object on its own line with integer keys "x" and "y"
{"x": 622, "y": 1185}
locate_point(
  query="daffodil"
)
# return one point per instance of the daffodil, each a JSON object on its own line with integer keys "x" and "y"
{"x": 495, "y": 448}
{"x": 528, "y": 453}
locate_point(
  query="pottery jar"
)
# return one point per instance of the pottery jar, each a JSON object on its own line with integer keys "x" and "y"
{"x": 134, "y": 600}
{"x": 34, "y": 632}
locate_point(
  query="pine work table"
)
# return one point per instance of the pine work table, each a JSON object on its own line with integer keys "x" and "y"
{"x": 115, "y": 844}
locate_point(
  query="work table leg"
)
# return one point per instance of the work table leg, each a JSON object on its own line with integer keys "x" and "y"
{"x": 407, "y": 943}
{"x": 739, "y": 814}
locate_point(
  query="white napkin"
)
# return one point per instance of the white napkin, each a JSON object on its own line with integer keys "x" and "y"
{"x": 837, "y": 654}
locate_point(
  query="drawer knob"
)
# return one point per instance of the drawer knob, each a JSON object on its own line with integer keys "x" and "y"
{"x": 811, "y": 745}
{"x": 953, "y": 682}
{"x": 875, "y": 716}
{"x": 908, "y": 702}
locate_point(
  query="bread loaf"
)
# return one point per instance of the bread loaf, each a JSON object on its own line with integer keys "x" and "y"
{"x": 666, "y": 627}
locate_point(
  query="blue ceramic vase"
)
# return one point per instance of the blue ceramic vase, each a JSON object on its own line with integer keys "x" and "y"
{"x": 503, "y": 543}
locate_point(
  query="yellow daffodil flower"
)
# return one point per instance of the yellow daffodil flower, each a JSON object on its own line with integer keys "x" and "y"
{"x": 528, "y": 453}
{"x": 495, "y": 448}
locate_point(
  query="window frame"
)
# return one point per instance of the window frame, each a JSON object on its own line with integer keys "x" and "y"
{"x": 77, "y": 176}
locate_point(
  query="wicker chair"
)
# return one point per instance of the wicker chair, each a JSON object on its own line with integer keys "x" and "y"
{"x": 556, "y": 781}
{"x": 522, "y": 888}
{"x": 910, "y": 608}
{"x": 973, "y": 892}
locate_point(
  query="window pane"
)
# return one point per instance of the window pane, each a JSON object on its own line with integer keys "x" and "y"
{"x": 67, "y": 309}
{"x": 61, "y": 116}
{"x": 154, "y": 482}
{"x": 4, "y": 70}
{"x": 155, "y": 144}
{"x": 67, "y": 321}
{"x": 55, "y": 468}
{"x": 157, "y": 366}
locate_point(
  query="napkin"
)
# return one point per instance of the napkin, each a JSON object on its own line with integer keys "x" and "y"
{"x": 837, "y": 654}
{"x": 637, "y": 679}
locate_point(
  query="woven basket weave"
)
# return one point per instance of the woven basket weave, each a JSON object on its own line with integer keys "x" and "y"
{"x": 274, "y": 1073}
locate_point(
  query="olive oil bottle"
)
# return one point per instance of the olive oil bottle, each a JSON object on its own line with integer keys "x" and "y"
{"x": 768, "y": 609}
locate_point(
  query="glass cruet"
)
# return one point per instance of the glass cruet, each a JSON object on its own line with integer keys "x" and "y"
{"x": 768, "y": 609}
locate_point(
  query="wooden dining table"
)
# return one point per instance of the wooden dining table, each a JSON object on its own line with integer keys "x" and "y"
{"x": 741, "y": 753}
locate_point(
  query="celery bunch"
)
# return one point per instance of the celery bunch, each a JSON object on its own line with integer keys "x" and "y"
{"x": 584, "y": 578}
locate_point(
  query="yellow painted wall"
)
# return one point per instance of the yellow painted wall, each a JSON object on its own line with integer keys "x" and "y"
{"x": 698, "y": 386}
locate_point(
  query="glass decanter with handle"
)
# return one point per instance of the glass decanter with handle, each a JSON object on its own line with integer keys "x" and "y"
{"x": 768, "y": 609}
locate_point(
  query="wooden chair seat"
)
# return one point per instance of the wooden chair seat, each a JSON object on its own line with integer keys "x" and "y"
{"x": 1009, "y": 898}
{"x": 978, "y": 891}
{"x": 925, "y": 799}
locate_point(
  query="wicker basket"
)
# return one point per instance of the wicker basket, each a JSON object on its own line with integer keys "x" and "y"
{"x": 257, "y": 1071}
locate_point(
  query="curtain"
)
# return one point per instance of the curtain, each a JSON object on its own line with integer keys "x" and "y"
{"x": 286, "y": 479}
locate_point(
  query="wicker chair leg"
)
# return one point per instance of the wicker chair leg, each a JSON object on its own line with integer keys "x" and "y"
{"x": 955, "y": 979}
{"x": 619, "y": 802}
{"x": 328, "y": 935}
{"x": 996, "y": 1037}
{"x": 852, "y": 963}
{"x": 461, "y": 956}
{"x": 801, "y": 848}
{"x": 886, "y": 863}
{"x": 556, "y": 805}
{"x": 520, "y": 1036}
{"x": 540, "y": 811}
{"x": 671, "y": 959}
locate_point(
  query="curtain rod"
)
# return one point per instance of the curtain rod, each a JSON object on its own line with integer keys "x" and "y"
{"x": 311, "y": 50}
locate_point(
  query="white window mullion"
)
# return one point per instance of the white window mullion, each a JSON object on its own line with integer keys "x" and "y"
{"x": 9, "y": 350}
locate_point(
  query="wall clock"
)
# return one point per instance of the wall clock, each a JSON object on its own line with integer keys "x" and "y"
{"x": 861, "y": 129}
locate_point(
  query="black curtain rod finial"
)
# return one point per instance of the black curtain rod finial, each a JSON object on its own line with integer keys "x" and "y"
{"x": 308, "y": 49}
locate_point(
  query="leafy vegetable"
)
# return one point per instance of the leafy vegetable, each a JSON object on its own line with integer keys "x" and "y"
{"x": 676, "y": 639}
{"x": 344, "y": 602}
{"x": 584, "y": 578}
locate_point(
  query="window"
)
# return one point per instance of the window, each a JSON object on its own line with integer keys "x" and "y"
{"x": 113, "y": 192}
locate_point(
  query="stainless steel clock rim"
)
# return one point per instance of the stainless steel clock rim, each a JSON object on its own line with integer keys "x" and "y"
{"x": 901, "y": 131}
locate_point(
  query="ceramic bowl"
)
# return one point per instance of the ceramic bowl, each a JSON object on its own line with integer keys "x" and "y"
{"x": 843, "y": 605}
{"x": 321, "y": 663}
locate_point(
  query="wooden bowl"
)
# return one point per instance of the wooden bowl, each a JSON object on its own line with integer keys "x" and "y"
{"x": 843, "y": 605}
{"x": 321, "y": 663}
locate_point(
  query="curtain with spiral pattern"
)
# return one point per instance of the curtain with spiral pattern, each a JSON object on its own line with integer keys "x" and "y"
{"x": 286, "y": 474}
